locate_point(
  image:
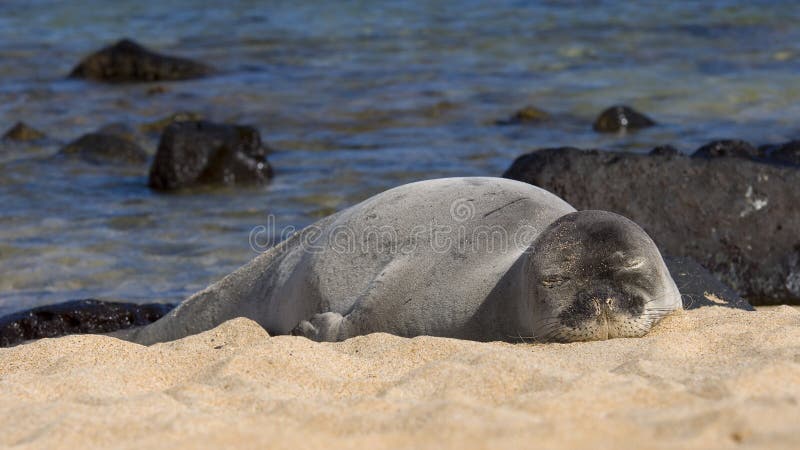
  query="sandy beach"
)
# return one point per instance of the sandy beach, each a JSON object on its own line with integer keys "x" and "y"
{"x": 150, "y": 148}
{"x": 707, "y": 378}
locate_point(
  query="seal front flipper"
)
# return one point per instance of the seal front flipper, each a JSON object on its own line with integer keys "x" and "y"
{"x": 325, "y": 327}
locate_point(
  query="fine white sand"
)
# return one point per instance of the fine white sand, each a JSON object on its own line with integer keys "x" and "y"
{"x": 708, "y": 378}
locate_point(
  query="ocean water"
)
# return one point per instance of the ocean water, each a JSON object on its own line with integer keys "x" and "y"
{"x": 355, "y": 97}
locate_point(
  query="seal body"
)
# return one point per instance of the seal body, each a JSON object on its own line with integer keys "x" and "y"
{"x": 471, "y": 258}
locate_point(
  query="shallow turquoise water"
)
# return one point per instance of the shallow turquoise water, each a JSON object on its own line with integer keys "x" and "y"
{"x": 355, "y": 97}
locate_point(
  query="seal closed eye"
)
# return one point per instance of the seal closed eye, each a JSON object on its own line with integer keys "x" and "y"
{"x": 470, "y": 258}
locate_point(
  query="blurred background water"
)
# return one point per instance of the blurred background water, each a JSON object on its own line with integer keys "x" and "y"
{"x": 355, "y": 97}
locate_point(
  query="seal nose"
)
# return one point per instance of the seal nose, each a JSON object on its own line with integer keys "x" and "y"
{"x": 591, "y": 306}
{"x": 602, "y": 304}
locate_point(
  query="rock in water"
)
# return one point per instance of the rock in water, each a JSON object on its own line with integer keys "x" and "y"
{"x": 621, "y": 118}
{"x": 737, "y": 217}
{"x": 727, "y": 147}
{"x": 105, "y": 148}
{"x": 77, "y": 317}
{"x": 528, "y": 114}
{"x": 197, "y": 153}
{"x": 120, "y": 129}
{"x": 158, "y": 126}
{"x": 127, "y": 61}
{"x": 22, "y": 132}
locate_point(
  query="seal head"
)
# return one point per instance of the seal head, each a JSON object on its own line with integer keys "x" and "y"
{"x": 597, "y": 275}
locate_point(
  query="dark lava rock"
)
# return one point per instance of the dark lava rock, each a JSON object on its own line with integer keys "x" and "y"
{"x": 621, "y": 118}
{"x": 737, "y": 217}
{"x": 22, "y": 132}
{"x": 77, "y": 317}
{"x": 105, "y": 148}
{"x": 726, "y": 147}
{"x": 699, "y": 287}
{"x": 120, "y": 129}
{"x": 787, "y": 153}
{"x": 127, "y": 61}
{"x": 665, "y": 150}
{"x": 158, "y": 126}
{"x": 196, "y": 153}
{"x": 528, "y": 114}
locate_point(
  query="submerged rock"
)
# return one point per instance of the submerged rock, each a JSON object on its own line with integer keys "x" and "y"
{"x": 737, "y": 217}
{"x": 120, "y": 129}
{"x": 727, "y": 147}
{"x": 22, "y": 132}
{"x": 621, "y": 118}
{"x": 105, "y": 147}
{"x": 77, "y": 317}
{"x": 158, "y": 126}
{"x": 197, "y": 153}
{"x": 528, "y": 114}
{"x": 156, "y": 90}
{"x": 127, "y": 61}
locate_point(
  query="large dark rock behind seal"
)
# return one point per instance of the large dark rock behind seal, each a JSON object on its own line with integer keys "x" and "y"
{"x": 77, "y": 317}
{"x": 196, "y": 153}
{"x": 738, "y": 217}
{"x": 699, "y": 287}
{"x": 127, "y": 61}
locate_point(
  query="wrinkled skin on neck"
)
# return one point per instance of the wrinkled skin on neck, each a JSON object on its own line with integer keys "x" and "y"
{"x": 596, "y": 275}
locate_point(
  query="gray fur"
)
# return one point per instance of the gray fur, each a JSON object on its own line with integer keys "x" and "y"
{"x": 470, "y": 258}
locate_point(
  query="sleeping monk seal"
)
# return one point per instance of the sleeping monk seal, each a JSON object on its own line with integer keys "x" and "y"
{"x": 471, "y": 258}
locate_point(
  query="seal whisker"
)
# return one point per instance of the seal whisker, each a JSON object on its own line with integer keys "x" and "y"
{"x": 546, "y": 331}
{"x": 521, "y": 338}
{"x": 549, "y": 322}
